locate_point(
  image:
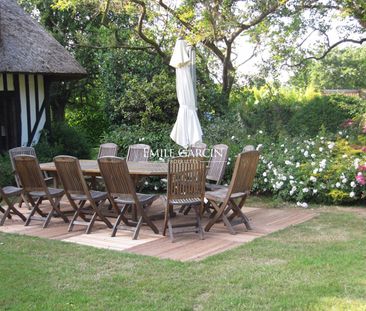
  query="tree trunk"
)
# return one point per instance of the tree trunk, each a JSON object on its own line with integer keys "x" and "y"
{"x": 228, "y": 75}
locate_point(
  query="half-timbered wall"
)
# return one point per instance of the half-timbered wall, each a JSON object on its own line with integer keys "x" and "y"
{"x": 32, "y": 105}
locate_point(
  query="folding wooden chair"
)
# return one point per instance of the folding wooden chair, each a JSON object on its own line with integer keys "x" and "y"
{"x": 6, "y": 195}
{"x": 121, "y": 190}
{"x": 215, "y": 171}
{"x": 76, "y": 189}
{"x": 108, "y": 149}
{"x": 25, "y": 151}
{"x": 186, "y": 186}
{"x": 138, "y": 152}
{"x": 216, "y": 167}
{"x": 228, "y": 202}
{"x": 198, "y": 150}
{"x": 36, "y": 190}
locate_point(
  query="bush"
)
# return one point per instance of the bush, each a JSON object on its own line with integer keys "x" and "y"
{"x": 6, "y": 171}
{"x": 328, "y": 112}
{"x": 65, "y": 140}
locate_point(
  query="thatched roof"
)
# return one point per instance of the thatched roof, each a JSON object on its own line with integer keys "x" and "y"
{"x": 25, "y": 47}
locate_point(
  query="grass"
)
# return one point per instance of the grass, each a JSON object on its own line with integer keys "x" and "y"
{"x": 318, "y": 265}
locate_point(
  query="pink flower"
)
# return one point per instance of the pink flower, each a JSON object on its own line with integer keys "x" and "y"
{"x": 363, "y": 149}
{"x": 362, "y": 168}
{"x": 360, "y": 179}
{"x": 347, "y": 123}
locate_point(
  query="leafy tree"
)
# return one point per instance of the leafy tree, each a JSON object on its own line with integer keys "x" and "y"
{"x": 281, "y": 26}
{"x": 343, "y": 68}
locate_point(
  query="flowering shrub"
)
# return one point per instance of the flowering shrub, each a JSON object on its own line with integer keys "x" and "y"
{"x": 312, "y": 170}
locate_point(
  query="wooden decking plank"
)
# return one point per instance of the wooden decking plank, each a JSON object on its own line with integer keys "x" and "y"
{"x": 187, "y": 247}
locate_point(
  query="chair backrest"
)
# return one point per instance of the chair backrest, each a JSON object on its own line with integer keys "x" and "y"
{"x": 29, "y": 173}
{"x": 20, "y": 151}
{"x": 217, "y": 164}
{"x": 244, "y": 172}
{"x": 108, "y": 149}
{"x": 248, "y": 148}
{"x": 116, "y": 177}
{"x": 138, "y": 152}
{"x": 198, "y": 150}
{"x": 71, "y": 176}
{"x": 186, "y": 178}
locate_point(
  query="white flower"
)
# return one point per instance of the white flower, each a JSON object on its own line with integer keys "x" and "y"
{"x": 331, "y": 145}
{"x": 232, "y": 137}
{"x": 259, "y": 146}
{"x": 305, "y": 190}
{"x": 287, "y": 162}
{"x": 321, "y": 149}
{"x": 306, "y": 153}
{"x": 344, "y": 156}
{"x": 344, "y": 180}
{"x": 313, "y": 178}
{"x": 315, "y": 191}
{"x": 353, "y": 184}
{"x": 338, "y": 184}
{"x": 302, "y": 204}
{"x": 264, "y": 174}
{"x": 340, "y": 133}
{"x": 356, "y": 163}
{"x": 313, "y": 155}
{"x": 249, "y": 136}
{"x": 260, "y": 132}
{"x": 351, "y": 194}
{"x": 297, "y": 164}
{"x": 291, "y": 177}
{"x": 156, "y": 188}
{"x": 312, "y": 163}
{"x": 323, "y": 163}
{"x": 285, "y": 151}
{"x": 284, "y": 178}
{"x": 265, "y": 180}
{"x": 315, "y": 171}
{"x": 146, "y": 183}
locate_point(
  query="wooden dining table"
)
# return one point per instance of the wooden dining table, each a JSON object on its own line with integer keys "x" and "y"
{"x": 136, "y": 169}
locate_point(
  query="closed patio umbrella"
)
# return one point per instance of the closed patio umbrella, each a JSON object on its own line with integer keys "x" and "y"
{"x": 187, "y": 129}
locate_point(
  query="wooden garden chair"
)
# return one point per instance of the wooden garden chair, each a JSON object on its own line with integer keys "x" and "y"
{"x": 105, "y": 150}
{"x": 25, "y": 151}
{"x": 121, "y": 191}
{"x": 108, "y": 149}
{"x": 228, "y": 202}
{"x": 138, "y": 152}
{"x": 216, "y": 167}
{"x": 198, "y": 150}
{"x": 36, "y": 190}
{"x": 215, "y": 172}
{"x": 78, "y": 193}
{"x": 7, "y": 194}
{"x": 186, "y": 186}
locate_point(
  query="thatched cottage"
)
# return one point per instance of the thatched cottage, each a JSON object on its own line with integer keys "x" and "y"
{"x": 30, "y": 58}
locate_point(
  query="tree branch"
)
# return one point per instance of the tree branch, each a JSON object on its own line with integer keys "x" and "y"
{"x": 256, "y": 20}
{"x": 328, "y": 50}
{"x": 140, "y": 32}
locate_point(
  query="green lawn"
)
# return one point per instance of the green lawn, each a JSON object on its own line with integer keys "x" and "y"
{"x": 319, "y": 265}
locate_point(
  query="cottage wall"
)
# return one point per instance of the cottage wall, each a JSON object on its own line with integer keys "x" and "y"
{"x": 31, "y": 93}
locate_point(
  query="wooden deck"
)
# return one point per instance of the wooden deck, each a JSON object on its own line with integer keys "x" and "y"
{"x": 187, "y": 247}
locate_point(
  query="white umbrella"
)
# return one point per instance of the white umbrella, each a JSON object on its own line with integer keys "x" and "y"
{"x": 187, "y": 129}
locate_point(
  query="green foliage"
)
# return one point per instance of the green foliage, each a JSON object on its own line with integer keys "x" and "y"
{"x": 65, "y": 140}
{"x": 327, "y": 112}
{"x": 341, "y": 69}
{"x": 6, "y": 171}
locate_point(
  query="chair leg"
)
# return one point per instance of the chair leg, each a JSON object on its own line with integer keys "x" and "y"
{"x": 187, "y": 210}
{"x": 137, "y": 230}
{"x": 91, "y": 223}
{"x": 199, "y": 225}
{"x": 6, "y": 215}
{"x": 120, "y": 218}
{"x": 170, "y": 227}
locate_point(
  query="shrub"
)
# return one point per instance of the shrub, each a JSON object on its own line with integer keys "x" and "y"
{"x": 63, "y": 139}
{"x": 6, "y": 171}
